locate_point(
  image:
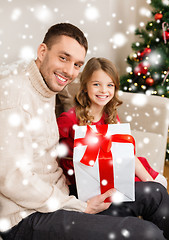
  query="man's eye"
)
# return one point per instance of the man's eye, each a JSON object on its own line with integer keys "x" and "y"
{"x": 78, "y": 65}
{"x": 63, "y": 58}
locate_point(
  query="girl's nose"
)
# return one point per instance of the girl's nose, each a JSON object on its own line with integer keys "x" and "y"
{"x": 103, "y": 89}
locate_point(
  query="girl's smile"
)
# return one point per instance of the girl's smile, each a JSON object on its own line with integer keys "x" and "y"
{"x": 100, "y": 89}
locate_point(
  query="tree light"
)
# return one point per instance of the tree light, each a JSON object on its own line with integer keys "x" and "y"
{"x": 128, "y": 69}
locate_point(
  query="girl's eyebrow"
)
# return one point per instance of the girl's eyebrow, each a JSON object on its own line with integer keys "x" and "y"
{"x": 99, "y": 81}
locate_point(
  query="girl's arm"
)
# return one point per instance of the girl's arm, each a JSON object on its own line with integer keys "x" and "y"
{"x": 141, "y": 172}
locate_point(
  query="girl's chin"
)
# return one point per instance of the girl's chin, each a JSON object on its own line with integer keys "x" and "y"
{"x": 102, "y": 102}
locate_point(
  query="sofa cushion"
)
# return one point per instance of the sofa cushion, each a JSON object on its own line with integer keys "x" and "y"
{"x": 149, "y": 145}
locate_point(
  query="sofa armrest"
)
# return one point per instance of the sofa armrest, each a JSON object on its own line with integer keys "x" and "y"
{"x": 149, "y": 120}
{"x": 145, "y": 113}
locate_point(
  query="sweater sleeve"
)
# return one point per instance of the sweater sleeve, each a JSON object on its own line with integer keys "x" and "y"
{"x": 65, "y": 122}
{"x": 20, "y": 180}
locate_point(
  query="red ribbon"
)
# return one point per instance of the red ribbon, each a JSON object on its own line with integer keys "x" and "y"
{"x": 98, "y": 144}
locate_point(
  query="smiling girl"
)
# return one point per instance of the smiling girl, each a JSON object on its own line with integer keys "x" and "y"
{"x": 96, "y": 103}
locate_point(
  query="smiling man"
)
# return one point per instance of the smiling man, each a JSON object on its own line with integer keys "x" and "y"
{"x": 60, "y": 62}
{"x": 32, "y": 185}
{"x": 34, "y": 198}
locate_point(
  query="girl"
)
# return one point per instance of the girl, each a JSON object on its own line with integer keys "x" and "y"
{"x": 96, "y": 103}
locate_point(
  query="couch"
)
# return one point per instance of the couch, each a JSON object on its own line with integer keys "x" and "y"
{"x": 149, "y": 120}
{"x": 148, "y": 117}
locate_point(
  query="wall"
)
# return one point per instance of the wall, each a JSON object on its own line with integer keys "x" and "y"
{"x": 24, "y": 23}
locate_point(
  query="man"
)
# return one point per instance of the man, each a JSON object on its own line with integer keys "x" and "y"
{"x": 34, "y": 198}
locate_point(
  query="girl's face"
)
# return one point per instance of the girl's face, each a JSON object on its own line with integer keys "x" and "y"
{"x": 100, "y": 88}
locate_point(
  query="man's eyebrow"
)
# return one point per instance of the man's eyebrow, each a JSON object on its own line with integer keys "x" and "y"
{"x": 65, "y": 53}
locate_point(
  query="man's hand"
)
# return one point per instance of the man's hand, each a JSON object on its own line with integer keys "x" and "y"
{"x": 97, "y": 204}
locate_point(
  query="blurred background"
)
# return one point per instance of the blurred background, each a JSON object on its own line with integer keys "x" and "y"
{"x": 109, "y": 26}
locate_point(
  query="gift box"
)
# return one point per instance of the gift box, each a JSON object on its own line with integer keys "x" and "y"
{"x": 104, "y": 158}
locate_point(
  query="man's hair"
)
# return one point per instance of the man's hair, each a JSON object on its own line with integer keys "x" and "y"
{"x": 65, "y": 29}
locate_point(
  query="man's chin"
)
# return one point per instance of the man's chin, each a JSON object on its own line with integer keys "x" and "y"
{"x": 60, "y": 88}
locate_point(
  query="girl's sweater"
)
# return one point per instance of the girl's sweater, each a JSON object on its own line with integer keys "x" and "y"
{"x": 66, "y": 122}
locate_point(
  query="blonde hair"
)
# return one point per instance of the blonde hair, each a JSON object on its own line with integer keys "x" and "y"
{"x": 82, "y": 101}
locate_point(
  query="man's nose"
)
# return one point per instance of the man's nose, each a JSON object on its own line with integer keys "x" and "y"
{"x": 69, "y": 70}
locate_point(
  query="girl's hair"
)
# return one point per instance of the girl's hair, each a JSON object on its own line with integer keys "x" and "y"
{"x": 82, "y": 101}
{"x": 65, "y": 29}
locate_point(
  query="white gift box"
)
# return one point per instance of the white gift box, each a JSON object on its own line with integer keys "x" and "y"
{"x": 88, "y": 177}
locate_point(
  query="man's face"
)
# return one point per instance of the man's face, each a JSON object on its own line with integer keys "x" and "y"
{"x": 60, "y": 64}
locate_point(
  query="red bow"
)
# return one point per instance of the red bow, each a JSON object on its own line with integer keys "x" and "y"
{"x": 98, "y": 144}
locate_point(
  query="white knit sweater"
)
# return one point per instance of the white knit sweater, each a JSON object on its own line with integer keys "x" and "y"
{"x": 30, "y": 179}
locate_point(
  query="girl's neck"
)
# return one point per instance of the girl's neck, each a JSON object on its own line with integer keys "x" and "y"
{"x": 96, "y": 113}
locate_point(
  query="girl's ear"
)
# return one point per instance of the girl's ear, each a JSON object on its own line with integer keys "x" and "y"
{"x": 42, "y": 50}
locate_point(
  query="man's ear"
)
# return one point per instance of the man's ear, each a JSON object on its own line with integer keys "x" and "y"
{"x": 42, "y": 50}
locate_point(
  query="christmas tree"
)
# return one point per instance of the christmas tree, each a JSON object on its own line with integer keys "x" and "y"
{"x": 148, "y": 70}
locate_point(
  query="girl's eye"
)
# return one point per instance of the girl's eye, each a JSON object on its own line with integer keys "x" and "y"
{"x": 95, "y": 84}
{"x": 111, "y": 85}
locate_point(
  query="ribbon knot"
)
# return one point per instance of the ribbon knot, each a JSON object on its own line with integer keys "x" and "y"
{"x": 95, "y": 141}
{"x": 100, "y": 144}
